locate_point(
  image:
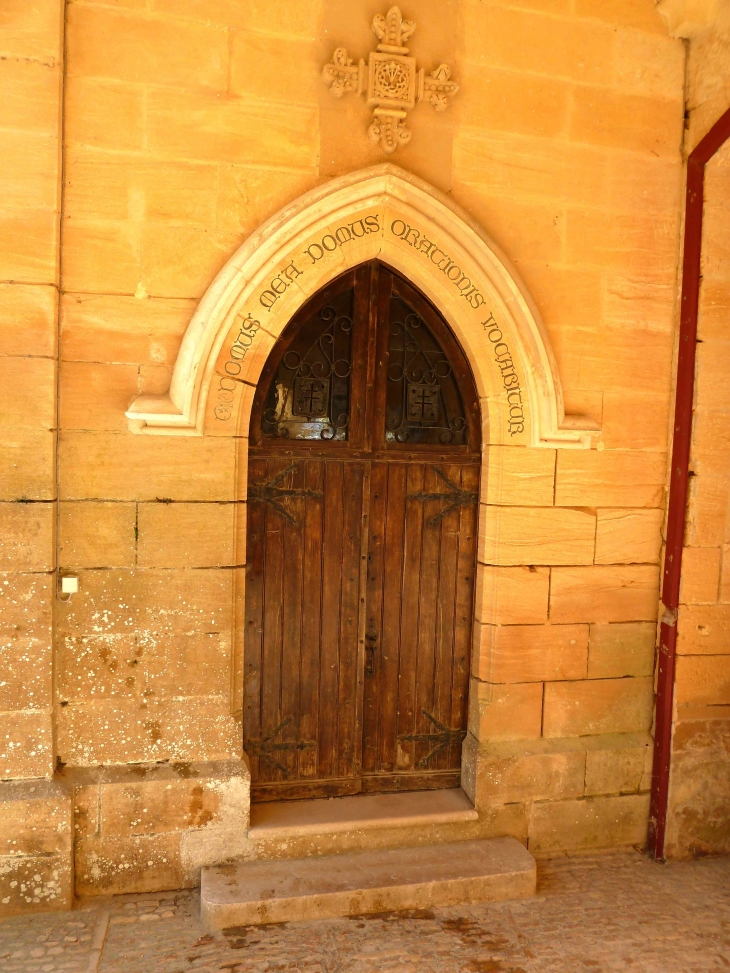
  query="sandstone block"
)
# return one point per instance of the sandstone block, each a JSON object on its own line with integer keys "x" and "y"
{"x": 625, "y": 13}
{"x": 706, "y": 511}
{"x": 588, "y": 825}
{"x": 499, "y": 712}
{"x": 646, "y": 184}
{"x": 528, "y": 167}
{"x": 628, "y": 536}
{"x": 36, "y": 853}
{"x": 27, "y": 471}
{"x": 703, "y": 630}
{"x": 621, "y": 649}
{"x": 529, "y": 230}
{"x": 175, "y": 535}
{"x": 268, "y": 16}
{"x": 26, "y": 744}
{"x": 27, "y": 319}
{"x": 518, "y": 476}
{"x": 110, "y": 387}
{"x": 146, "y": 49}
{"x": 529, "y": 653}
{"x": 598, "y": 706}
{"x": 31, "y": 90}
{"x": 625, "y": 769}
{"x": 131, "y": 730}
{"x": 171, "y": 819}
{"x": 205, "y": 127}
{"x": 622, "y": 430}
{"x": 610, "y": 478}
{"x": 125, "y": 329}
{"x": 95, "y": 534}
{"x": 700, "y": 575}
{"x": 516, "y": 596}
{"x": 28, "y": 246}
{"x": 107, "y": 114}
{"x": 702, "y": 686}
{"x": 649, "y": 299}
{"x": 504, "y": 776}
{"x": 604, "y": 593}
{"x": 273, "y": 69}
{"x": 575, "y": 49}
{"x": 101, "y": 256}
{"x": 181, "y": 261}
{"x": 28, "y": 401}
{"x": 155, "y": 467}
{"x": 29, "y": 169}
{"x": 540, "y": 535}
{"x": 637, "y": 122}
{"x": 615, "y": 358}
{"x": 650, "y": 65}
{"x": 26, "y": 536}
{"x": 514, "y": 102}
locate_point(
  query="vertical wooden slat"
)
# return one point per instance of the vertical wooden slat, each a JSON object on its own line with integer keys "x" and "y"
{"x": 449, "y": 531}
{"x": 293, "y": 548}
{"x": 271, "y": 715}
{"x": 332, "y": 548}
{"x": 390, "y": 634}
{"x": 428, "y": 599}
{"x": 311, "y": 618}
{"x": 374, "y": 619}
{"x": 348, "y": 705}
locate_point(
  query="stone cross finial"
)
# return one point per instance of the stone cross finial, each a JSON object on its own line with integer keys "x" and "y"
{"x": 391, "y": 82}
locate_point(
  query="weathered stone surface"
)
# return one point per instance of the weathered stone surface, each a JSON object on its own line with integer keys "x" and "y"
{"x": 253, "y": 893}
{"x": 621, "y": 649}
{"x": 592, "y": 823}
{"x": 603, "y": 593}
{"x": 598, "y": 706}
{"x": 36, "y": 847}
{"x": 512, "y": 596}
{"x": 529, "y": 653}
{"x": 540, "y": 535}
{"x": 498, "y": 712}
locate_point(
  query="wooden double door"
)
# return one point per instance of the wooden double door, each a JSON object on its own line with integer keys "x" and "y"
{"x": 363, "y": 488}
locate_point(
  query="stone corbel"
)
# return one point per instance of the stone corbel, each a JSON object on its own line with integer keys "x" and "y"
{"x": 687, "y": 18}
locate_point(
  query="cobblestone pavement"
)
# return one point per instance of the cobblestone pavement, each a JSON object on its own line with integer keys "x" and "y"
{"x": 608, "y": 913}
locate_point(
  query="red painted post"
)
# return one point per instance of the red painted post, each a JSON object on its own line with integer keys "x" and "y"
{"x": 679, "y": 477}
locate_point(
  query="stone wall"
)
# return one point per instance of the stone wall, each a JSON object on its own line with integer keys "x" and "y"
{"x": 186, "y": 124}
{"x": 698, "y": 821}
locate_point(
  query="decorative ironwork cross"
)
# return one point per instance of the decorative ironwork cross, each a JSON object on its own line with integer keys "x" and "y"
{"x": 446, "y": 737}
{"x": 391, "y": 82}
{"x": 273, "y": 494}
{"x": 456, "y": 497}
{"x": 266, "y": 747}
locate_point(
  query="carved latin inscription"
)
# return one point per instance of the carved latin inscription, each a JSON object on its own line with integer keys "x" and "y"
{"x": 391, "y": 82}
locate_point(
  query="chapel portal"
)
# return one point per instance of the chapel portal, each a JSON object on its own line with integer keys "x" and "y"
{"x": 364, "y": 463}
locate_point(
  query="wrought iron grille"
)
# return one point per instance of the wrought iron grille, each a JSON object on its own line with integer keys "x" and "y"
{"x": 423, "y": 400}
{"x": 309, "y": 397}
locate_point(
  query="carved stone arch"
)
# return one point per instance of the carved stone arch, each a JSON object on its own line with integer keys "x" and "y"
{"x": 384, "y": 213}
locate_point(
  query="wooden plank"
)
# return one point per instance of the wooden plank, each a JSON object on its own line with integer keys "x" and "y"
{"x": 309, "y": 666}
{"x": 271, "y": 715}
{"x": 348, "y": 709}
{"x": 391, "y": 628}
{"x": 332, "y": 549}
{"x": 408, "y": 718}
{"x": 464, "y": 613}
{"x": 254, "y": 616}
{"x": 374, "y": 621}
{"x": 292, "y": 605}
{"x": 428, "y": 599}
{"x": 384, "y": 783}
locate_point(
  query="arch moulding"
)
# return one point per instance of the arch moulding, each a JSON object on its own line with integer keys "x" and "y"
{"x": 384, "y": 213}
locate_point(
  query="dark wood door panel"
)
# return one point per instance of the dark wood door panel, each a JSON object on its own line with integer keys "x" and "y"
{"x": 361, "y": 547}
{"x": 301, "y": 707}
{"x": 420, "y": 578}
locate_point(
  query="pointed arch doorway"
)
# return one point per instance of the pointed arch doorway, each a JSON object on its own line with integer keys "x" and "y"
{"x": 364, "y": 463}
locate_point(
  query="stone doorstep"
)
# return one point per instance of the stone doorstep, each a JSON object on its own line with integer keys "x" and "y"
{"x": 363, "y": 812}
{"x": 255, "y": 893}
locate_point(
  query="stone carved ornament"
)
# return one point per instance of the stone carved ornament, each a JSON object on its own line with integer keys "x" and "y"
{"x": 391, "y": 81}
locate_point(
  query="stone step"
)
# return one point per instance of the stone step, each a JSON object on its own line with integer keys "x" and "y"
{"x": 362, "y": 812}
{"x": 357, "y": 883}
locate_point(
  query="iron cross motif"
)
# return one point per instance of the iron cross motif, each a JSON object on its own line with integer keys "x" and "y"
{"x": 266, "y": 748}
{"x": 445, "y": 738}
{"x": 273, "y": 494}
{"x": 391, "y": 82}
{"x": 456, "y": 497}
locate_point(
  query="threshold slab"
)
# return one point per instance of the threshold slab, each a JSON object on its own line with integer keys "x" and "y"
{"x": 366, "y": 882}
{"x": 288, "y": 819}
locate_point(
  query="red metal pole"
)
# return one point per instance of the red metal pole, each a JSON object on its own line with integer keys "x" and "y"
{"x": 679, "y": 476}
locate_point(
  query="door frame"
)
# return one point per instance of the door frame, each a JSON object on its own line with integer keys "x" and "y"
{"x": 386, "y": 213}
